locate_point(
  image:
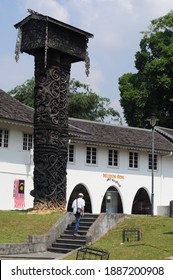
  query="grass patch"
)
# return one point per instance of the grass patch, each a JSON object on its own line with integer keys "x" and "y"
{"x": 156, "y": 242}
{"x": 16, "y": 226}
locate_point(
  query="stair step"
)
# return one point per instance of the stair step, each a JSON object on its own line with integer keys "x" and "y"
{"x": 71, "y": 232}
{"x": 70, "y": 246}
{"x": 68, "y": 236}
{"x": 60, "y": 250}
{"x": 81, "y": 227}
{"x": 87, "y": 220}
{"x": 67, "y": 242}
{"x": 85, "y": 223}
{"x": 90, "y": 215}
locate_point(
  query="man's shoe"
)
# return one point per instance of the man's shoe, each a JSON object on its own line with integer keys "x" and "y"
{"x": 76, "y": 234}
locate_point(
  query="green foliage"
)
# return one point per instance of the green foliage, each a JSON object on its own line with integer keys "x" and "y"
{"x": 83, "y": 102}
{"x": 134, "y": 96}
{"x": 151, "y": 88}
{"x": 86, "y": 104}
{"x": 25, "y": 92}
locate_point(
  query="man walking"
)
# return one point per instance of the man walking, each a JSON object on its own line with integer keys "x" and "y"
{"x": 78, "y": 210}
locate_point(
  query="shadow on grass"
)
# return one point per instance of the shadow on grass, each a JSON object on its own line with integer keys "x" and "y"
{"x": 23, "y": 210}
{"x": 169, "y": 232}
{"x": 151, "y": 246}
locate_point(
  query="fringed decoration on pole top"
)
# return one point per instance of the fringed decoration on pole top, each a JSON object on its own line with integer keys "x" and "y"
{"x": 87, "y": 60}
{"x": 18, "y": 44}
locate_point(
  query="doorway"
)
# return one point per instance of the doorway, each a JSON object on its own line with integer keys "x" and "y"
{"x": 112, "y": 201}
{"x": 141, "y": 203}
{"x": 80, "y": 188}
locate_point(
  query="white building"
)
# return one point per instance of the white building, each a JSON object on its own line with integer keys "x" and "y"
{"x": 110, "y": 164}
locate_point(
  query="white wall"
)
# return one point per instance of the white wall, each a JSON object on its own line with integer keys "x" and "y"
{"x": 131, "y": 180}
{"x": 15, "y": 164}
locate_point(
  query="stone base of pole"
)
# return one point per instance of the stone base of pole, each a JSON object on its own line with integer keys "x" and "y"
{"x": 49, "y": 206}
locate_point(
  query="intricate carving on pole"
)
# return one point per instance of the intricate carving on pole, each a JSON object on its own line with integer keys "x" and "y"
{"x": 55, "y": 45}
{"x": 51, "y": 131}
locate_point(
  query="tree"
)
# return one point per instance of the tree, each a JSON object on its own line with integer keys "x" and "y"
{"x": 150, "y": 89}
{"x": 83, "y": 102}
{"x": 86, "y": 104}
{"x": 25, "y": 92}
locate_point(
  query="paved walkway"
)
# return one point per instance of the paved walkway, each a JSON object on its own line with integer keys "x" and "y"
{"x": 38, "y": 256}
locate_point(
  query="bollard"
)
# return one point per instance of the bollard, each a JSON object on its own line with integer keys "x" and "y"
{"x": 171, "y": 208}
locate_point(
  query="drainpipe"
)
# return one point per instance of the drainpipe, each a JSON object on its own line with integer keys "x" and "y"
{"x": 169, "y": 155}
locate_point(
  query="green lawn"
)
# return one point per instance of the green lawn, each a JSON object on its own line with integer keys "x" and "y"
{"x": 156, "y": 242}
{"x": 15, "y": 226}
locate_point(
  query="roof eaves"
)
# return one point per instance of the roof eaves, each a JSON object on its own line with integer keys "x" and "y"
{"x": 37, "y": 16}
{"x": 15, "y": 122}
{"x": 117, "y": 146}
{"x": 164, "y": 133}
{"x": 74, "y": 129}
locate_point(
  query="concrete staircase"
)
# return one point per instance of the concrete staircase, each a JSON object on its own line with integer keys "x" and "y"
{"x": 67, "y": 242}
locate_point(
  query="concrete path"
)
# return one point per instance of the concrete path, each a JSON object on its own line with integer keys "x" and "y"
{"x": 38, "y": 256}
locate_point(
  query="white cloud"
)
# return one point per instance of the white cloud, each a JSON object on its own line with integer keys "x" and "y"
{"x": 15, "y": 74}
{"x": 126, "y": 4}
{"x": 24, "y": 69}
{"x": 108, "y": 20}
{"x": 95, "y": 78}
{"x": 159, "y": 7}
{"x": 116, "y": 25}
{"x": 50, "y": 8}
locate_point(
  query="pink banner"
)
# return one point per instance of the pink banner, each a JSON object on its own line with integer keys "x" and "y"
{"x": 19, "y": 195}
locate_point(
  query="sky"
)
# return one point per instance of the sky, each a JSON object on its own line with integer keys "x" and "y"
{"x": 115, "y": 24}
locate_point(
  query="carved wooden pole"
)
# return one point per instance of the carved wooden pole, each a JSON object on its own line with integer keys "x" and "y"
{"x": 55, "y": 45}
{"x": 50, "y": 130}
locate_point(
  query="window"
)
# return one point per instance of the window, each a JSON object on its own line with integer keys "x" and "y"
{"x": 4, "y": 135}
{"x": 150, "y": 162}
{"x": 71, "y": 153}
{"x": 27, "y": 141}
{"x": 133, "y": 160}
{"x": 112, "y": 158}
{"x": 91, "y": 153}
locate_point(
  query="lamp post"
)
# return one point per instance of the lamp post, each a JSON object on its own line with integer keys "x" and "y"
{"x": 152, "y": 120}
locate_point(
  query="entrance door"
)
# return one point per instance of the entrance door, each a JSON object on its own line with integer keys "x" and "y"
{"x": 80, "y": 189}
{"x": 112, "y": 201}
